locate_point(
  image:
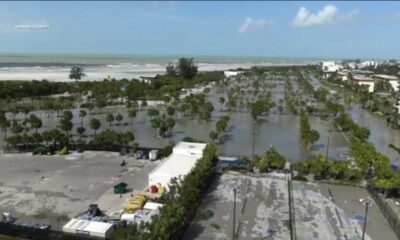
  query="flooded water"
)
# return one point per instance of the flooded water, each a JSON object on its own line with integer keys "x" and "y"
{"x": 278, "y": 130}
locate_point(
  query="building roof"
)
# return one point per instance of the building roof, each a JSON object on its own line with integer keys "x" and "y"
{"x": 385, "y": 77}
{"x": 183, "y": 158}
{"x": 359, "y": 78}
{"x": 86, "y": 225}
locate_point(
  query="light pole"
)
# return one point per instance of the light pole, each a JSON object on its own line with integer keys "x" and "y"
{"x": 234, "y": 213}
{"x": 327, "y": 150}
{"x": 365, "y": 218}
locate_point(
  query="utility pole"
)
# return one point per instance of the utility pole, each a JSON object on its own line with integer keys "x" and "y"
{"x": 365, "y": 218}
{"x": 234, "y": 213}
{"x": 327, "y": 150}
{"x": 254, "y": 140}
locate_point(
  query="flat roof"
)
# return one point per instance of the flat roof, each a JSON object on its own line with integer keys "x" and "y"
{"x": 385, "y": 77}
{"x": 362, "y": 78}
{"x": 190, "y": 145}
{"x": 86, "y": 225}
{"x": 175, "y": 165}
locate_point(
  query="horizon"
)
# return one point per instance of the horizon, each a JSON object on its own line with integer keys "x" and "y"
{"x": 133, "y": 55}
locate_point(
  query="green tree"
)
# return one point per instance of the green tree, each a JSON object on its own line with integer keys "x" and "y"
{"x": 95, "y": 125}
{"x": 170, "y": 110}
{"x": 132, "y": 114}
{"x": 76, "y": 73}
{"x": 110, "y": 118}
{"x": 171, "y": 70}
{"x": 186, "y": 68}
{"x": 155, "y": 124}
{"x": 35, "y": 122}
{"x": 119, "y": 118}
{"x": 80, "y": 130}
{"x": 222, "y": 101}
{"x": 82, "y": 114}
{"x": 67, "y": 115}
{"x": 4, "y": 123}
{"x": 213, "y": 135}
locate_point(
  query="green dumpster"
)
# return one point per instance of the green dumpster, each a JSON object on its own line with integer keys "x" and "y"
{"x": 120, "y": 188}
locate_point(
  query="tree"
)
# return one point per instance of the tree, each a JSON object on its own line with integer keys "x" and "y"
{"x": 119, "y": 118}
{"x": 35, "y": 122}
{"x": 82, "y": 114}
{"x": 171, "y": 70}
{"x": 80, "y": 130}
{"x": 95, "y": 125}
{"x": 4, "y": 123}
{"x": 67, "y": 115}
{"x": 222, "y": 101}
{"x": 66, "y": 125}
{"x": 213, "y": 135}
{"x": 170, "y": 110}
{"x": 16, "y": 128}
{"x": 153, "y": 112}
{"x": 76, "y": 73}
{"x": 110, "y": 118}
{"x": 186, "y": 68}
{"x": 132, "y": 114}
{"x": 170, "y": 123}
{"x": 155, "y": 124}
{"x": 274, "y": 159}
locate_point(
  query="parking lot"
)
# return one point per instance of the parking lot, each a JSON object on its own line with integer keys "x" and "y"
{"x": 262, "y": 210}
{"x": 52, "y": 189}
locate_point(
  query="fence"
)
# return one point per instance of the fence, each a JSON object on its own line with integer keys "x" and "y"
{"x": 391, "y": 216}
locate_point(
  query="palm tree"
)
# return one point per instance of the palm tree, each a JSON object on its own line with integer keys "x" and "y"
{"x": 213, "y": 135}
{"x": 80, "y": 130}
{"x": 4, "y": 123}
{"x": 35, "y": 122}
{"x": 110, "y": 118}
{"x": 132, "y": 114}
{"x": 222, "y": 101}
{"x": 155, "y": 124}
{"x": 95, "y": 124}
{"x": 119, "y": 118}
{"x": 82, "y": 114}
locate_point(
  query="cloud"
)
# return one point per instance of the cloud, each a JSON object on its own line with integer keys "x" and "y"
{"x": 350, "y": 16}
{"x": 304, "y": 18}
{"x": 251, "y": 24}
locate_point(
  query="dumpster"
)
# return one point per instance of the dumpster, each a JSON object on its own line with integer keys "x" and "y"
{"x": 120, "y": 188}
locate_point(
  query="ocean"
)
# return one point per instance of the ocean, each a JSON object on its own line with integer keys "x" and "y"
{"x": 56, "y": 67}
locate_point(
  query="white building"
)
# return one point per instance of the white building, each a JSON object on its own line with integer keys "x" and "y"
{"x": 368, "y": 64}
{"x": 344, "y": 75}
{"x": 181, "y": 161}
{"x": 89, "y": 228}
{"x": 393, "y": 80}
{"x": 231, "y": 73}
{"x": 329, "y": 67}
{"x": 366, "y": 81}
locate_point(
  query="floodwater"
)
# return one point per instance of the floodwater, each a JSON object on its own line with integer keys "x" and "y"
{"x": 278, "y": 130}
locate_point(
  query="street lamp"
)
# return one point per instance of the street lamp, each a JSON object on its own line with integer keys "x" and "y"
{"x": 234, "y": 212}
{"x": 365, "y": 218}
{"x": 327, "y": 150}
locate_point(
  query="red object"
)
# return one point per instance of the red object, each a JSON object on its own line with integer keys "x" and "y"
{"x": 153, "y": 189}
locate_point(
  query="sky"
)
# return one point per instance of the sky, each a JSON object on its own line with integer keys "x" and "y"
{"x": 274, "y": 29}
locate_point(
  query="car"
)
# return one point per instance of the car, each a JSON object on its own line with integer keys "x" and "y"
{"x": 43, "y": 150}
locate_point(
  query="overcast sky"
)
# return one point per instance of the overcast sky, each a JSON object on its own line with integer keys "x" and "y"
{"x": 276, "y": 29}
